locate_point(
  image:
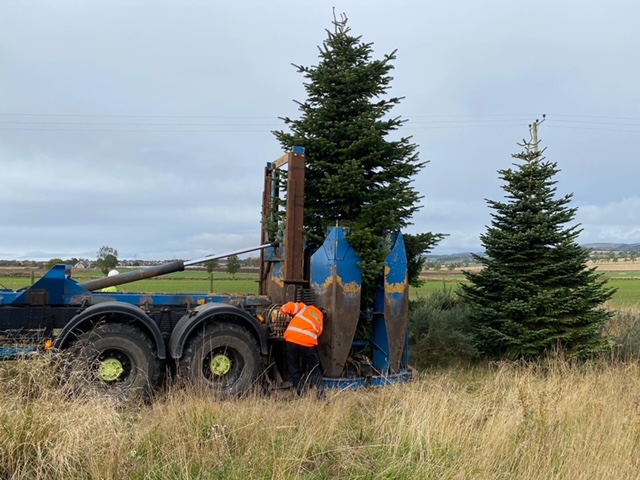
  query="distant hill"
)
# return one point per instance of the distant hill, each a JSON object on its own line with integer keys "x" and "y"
{"x": 451, "y": 258}
{"x": 613, "y": 247}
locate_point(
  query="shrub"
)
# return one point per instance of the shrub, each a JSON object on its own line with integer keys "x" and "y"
{"x": 623, "y": 332}
{"x": 440, "y": 331}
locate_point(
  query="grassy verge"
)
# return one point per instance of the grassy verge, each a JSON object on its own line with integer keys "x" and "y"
{"x": 510, "y": 421}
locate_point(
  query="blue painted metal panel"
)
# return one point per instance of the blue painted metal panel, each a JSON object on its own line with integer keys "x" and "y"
{"x": 10, "y": 353}
{"x": 381, "y": 350}
{"x": 55, "y": 284}
{"x": 396, "y": 300}
{"x": 275, "y": 285}
{"x": 161, "y": 299}
{"x": 271, "y": 254}
{"x": 391, "y": 311}
{"x": 374, "y": 381}
{"x": 337, "y": 282}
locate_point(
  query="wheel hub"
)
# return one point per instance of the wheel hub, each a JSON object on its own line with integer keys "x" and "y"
{"x": 220, "y": 365}
{"x": 111, "y": 369}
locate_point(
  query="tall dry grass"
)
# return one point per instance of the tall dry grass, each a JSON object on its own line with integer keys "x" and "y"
{"x": 511, "y": 421}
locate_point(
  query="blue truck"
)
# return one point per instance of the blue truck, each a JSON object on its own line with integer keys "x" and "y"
{"x": 127, "y": 344}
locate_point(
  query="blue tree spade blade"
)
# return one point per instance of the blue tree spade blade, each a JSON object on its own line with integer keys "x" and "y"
{"x": 396, "y": 300}
{"x": 337, "y": 281}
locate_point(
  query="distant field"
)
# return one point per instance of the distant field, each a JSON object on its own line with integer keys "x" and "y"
{"x": 627, "y": 294}
{"x": 191, "y": 281}
{"x": 627, "y": 283}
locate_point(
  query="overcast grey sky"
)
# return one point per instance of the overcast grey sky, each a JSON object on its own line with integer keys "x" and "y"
{"x": 145, "y": 125}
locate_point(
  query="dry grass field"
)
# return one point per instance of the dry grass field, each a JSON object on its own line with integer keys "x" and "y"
{"x": 502, "y": 421}
{"x": 621, "y": 266}
{"x": 602, "y": 266}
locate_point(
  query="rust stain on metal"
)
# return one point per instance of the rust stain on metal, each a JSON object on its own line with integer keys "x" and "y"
{"x": 351, "y": 288}
{"x": 397, "y": 288}
{"x": 396, "y": 312}
{"x": 342, "y": 303}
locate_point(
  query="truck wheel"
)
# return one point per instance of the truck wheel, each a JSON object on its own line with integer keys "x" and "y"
{"x": 223, "y": 358}
{"x": 114, "y": 359}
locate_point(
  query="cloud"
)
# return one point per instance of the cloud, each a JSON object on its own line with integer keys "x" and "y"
{"x": 612, "y": 222}
{"x": 146, "y": 126}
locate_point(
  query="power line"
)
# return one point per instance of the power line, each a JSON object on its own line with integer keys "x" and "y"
{"x": 482, "y": 125}
{"x": 59, "y": 122}
{"x": 595, "y": 128}
{"x": 127, "y": 116}
{"x": 477, "y": 117}
{"x": 595, "y": 123}
{"x": 111, "y": 124}
{"x": 471, "y": 115}
{"x": 592, "y": 116}
{"x": 131, "y": 130}
{"x": 237, "y": 130}
{"x": 408, "y": 122}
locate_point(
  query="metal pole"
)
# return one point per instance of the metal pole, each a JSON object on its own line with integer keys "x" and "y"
{"x": 208, "y": 258}
{"x": 171, "y": 267}
{"x": 534, "y": 133}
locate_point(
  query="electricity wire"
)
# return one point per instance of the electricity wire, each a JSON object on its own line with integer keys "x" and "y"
{"x": 132, "y": 123}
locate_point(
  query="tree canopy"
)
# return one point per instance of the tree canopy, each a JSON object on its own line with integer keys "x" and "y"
{"x": 359, "y": 170}
{"x": 233, "y": 265}
{"x": 107, "y": 259}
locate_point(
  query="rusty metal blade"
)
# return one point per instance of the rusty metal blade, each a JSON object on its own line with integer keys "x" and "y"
{"x": 337, "y": 281}
{"x": 396, "y": 300}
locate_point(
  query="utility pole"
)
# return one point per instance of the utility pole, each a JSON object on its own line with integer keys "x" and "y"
{"x": 534, "y": 132}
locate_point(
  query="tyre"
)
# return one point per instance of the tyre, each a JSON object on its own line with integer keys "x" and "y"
{"x": 222, "y": 358}
{"x": 114, "y": 359}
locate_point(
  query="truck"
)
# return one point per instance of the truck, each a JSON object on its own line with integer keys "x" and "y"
{"x": 129, "y": 344}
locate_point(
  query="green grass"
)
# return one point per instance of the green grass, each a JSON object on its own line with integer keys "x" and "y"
{"x": 622, "y": 275}
{"x": 430, "y": 286}
{"x": 226, "y": 285}
{"x": 192, "y": 281}
{"x": 627, "y": 284}
{"x": 627, "y": 294}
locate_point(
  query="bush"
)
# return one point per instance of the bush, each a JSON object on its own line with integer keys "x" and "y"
{"x": 623, "y": 332}
{"x": 440, "y": 331}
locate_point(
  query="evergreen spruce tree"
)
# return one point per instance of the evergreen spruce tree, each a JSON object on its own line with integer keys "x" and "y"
{"x": 535, "y": 292}
{"x": 356, "y": 176}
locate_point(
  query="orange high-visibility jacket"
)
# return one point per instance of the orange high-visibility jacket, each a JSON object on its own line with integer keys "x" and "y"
{"x": 305, "y": 326}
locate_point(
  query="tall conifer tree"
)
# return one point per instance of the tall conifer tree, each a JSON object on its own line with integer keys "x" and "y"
{"x": 356, "y": 176}
{"x": 535, "y": 292}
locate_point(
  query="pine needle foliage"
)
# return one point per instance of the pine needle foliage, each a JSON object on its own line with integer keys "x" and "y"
{"x": 356, "y": 176}
{"x": 535, "y": 293}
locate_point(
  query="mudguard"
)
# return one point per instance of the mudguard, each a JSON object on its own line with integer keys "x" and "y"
{"x": 86, "y": 316}
{"x": 189, "y": 322}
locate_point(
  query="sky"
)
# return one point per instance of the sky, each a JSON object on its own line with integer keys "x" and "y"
{"x": 146, "y": 125}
